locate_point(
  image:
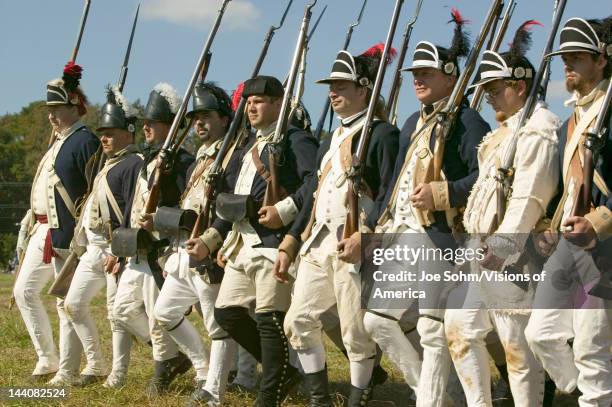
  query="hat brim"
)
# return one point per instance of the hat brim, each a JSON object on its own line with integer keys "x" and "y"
{"x": 485, "y": 81}
{"x": 413, "y": 68}
{"x": 571, "y": 49}
{"x": 327, "y": 81}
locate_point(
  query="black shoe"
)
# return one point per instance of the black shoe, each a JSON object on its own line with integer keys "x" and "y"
{"x": 165, "y": 372}
{"x": 318, "y": 389}
{"x": 359, "y": 397}
{"x": 199, "y": 397}
{"x": 88, "y": 379}
{"x": 379, "y": 376}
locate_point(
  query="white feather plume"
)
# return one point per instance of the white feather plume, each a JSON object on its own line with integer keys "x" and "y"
{"x": 128, "y": 109}
{"x": 170, "y": 94}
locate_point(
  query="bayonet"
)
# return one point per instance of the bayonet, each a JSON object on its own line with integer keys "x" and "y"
{"x": 126, "y": 59}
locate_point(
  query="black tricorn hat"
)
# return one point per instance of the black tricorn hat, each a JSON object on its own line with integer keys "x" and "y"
{"x": 512, "y": 64}
{"x": 163, "y": 104}
{"x": 117, "y": 113}
{"x": 209, "y": 97}
{"x": 361, "y": 69}
{"x": 263, "y": 85}
{"x": 67, "y": 89}
{"x": 428, "y": 55}
{"x": 578, "y": 35}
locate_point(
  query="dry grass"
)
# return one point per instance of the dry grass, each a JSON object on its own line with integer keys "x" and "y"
{"x": 17, "y": 359}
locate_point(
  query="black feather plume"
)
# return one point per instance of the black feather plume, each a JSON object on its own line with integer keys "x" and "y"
{"x": 522, "y": 40}
{"x": 460, "y": 46}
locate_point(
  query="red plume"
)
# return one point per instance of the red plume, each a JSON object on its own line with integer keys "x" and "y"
{"x": 457, "y": 17}
{"x": 376, "y": 51}
{"x": 72, "y": 75}
{"x": 237, "y": 95}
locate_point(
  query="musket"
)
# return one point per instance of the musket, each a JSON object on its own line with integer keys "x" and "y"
{"x": 204, "y": 218}
{"x": 354, "y": 177}
{"x": 164, "y": 156}
{"x": 548, "y": 72}
{"x": 505, "y": 172}
{"x": 273, "y": 188}
{"x": 327, "y": 104}
{"x": 62, "y": 281}
{"x": 126, "y": 59}
{"x": 594, "y": 143}
{"x": 494, "y": 46}
{"x": 448, "y": 114}
{"x": 77, "y": 45}
{"x": 297, "y": 97}
{"x": 396, "y": 84}
{"x": 75, "y": 52}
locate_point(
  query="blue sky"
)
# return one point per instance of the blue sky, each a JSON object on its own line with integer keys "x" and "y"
{"x": 37, "y": 36}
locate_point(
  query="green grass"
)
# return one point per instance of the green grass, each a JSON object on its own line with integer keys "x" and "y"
{"x": 17, "y": 360}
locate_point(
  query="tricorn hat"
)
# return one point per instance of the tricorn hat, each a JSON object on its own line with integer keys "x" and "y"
{"x": 66, "y": 90}
{"x": 117, "y": 113}
{"x": 163, "y": 103}
{"x": 428, "y": 55}
{"x": 512, "y": 64}
{"x": 361, "y": 69}
{"x": 579, "y": 35}
{"x": 263, "y": 85}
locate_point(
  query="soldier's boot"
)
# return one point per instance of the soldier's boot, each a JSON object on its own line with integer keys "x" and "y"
{"x": 359, "y": 397}
{"x": 549, "y": 392}
{"x": 237, "y": 322}
{"x": 278, "y": 376}
{"x": 318, "y": 389}
{"x": 165, "y": 372}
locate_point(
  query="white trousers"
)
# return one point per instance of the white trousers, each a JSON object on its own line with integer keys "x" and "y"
{"x": 430, "y": 378}
{"x": 467, "y": 330}
{"x": 134, "y": 308}
{"x": 586, "y": 364}
{"x": 89, "y": 278}
{"x": 33, "y": 278}
{"x": 177, "y": 295}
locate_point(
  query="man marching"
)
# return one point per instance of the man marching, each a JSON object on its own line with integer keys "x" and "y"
{"x": 503, "y": 306}
{"x": 184, "y": 286}
{"x": 137, "y": 290}
{"x": 250, "y": 249}
{"x": 60, "y": 183}
{"x": 423, "y": 210}
{"x": 323, "y": 279}
{"x": 106, "y": 207}
{"x": 563, "y": 307}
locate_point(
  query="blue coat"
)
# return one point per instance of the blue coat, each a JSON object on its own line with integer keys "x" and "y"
{"x": 296, "y": 168}
{"x": 459, "y": 164}
{"x": 377, "y": 173}
{"x": 70, "y": 166}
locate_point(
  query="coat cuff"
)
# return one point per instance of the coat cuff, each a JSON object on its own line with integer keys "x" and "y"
{"x": 601, "y": 219}
{"x": 290, "y": 245}
{"x": 287, "y": 210}
{"x": 212, "y": 239}
{"x": 439, "y": 190}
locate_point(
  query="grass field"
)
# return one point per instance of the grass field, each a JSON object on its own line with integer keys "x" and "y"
{"x": 17, "y": 360}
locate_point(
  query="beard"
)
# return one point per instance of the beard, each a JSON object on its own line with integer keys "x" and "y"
{"x": 571, "y": 85}
{"x": 501, "y": 116}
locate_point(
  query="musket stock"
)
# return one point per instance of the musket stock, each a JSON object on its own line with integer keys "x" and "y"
{"x": 354, "y": 180}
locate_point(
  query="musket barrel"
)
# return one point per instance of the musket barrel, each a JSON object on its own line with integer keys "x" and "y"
{"x": 77, "y": 45}
{"x": 499, "y": 36}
